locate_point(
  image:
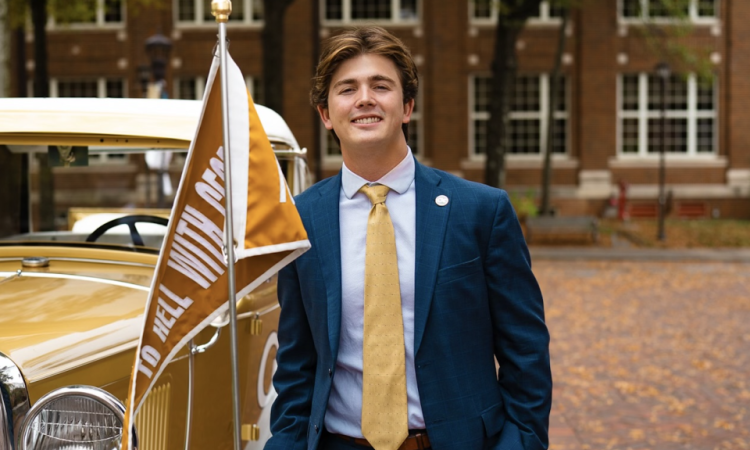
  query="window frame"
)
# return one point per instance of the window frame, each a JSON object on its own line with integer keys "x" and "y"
{"x": 199, "y": 20}
{"x": 346, "y": 12}
{"x": 98, "y": 23}
{"x": 544, "y": 17}
{"x": 200, "y": 86}
{"x": 692, "y": 17}
{"x": 643, "y": 114}
{"x": 544, "y": 105}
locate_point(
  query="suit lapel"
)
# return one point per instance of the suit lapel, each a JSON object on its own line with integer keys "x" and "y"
{"x": 328, "y": 240}
{"x": 430, "y": 234}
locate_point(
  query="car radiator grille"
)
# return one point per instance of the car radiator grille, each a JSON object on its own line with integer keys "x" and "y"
{"x": 152, "y": 419}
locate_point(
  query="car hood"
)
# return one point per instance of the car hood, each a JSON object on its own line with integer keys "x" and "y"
{"x": 75, "y": 311}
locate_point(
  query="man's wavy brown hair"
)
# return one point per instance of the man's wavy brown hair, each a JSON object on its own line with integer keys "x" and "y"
{"x": 359, "y": 41}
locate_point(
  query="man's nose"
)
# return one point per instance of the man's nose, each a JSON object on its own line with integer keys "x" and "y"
{"x": 365, "y": 97}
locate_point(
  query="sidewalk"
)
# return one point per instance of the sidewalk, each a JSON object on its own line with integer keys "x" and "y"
{"x": 649, "y": 348}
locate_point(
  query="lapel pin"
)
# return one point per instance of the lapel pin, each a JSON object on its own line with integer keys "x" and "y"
{"x": 441, "y": 200}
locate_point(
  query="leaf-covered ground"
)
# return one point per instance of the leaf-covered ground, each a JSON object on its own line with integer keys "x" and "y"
{"x": 648, "y": 355}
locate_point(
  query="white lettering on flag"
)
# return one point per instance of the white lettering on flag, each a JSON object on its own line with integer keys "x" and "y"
{"x": 150, "y": 356}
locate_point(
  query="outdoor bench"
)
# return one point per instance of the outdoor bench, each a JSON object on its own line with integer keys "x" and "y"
{"x": 562, "y": 228}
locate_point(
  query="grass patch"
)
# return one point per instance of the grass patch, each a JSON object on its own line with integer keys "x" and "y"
{"x": 705, "y": 233}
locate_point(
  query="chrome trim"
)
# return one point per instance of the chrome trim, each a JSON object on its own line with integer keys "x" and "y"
{"x": 15, "y": 275}
{"x": 92, "y": 392}
{"x": 198, "y": 349}
{"x": 14, "y": 402}
{"x": 35, "y": 261}
{"x": 86, "y": 260}
{"x": 260, "y": 312}
{"x": 191, "y": 383}
{"x": 291, "y": 152}
{"x": 78, "y": 277}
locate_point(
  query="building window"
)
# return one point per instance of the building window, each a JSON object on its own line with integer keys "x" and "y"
{"x": 390, "y": 11}
{"x": 87, "y": 87}
{"x": 198, "y": 12}
{"x": 528, "y": 116}
{"x": 486, "y": 11}
{"x": 192, "y": 88}
{"x": 103, "y": 13}
{"x": 665, "y": 10}
{"x": 690, "y": 115}
{"x": 255, "y": 87}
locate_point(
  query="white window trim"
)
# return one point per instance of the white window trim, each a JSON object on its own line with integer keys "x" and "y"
{"x": 693, "y": 16}
{"x": 417, "y": 116}
{"x": 101, "y": 86}
{"x": 329, "y": 161}
{"x": 249, "y": 83}
{"x": 543, "y": 19}
{"x": 200, "y": 22}
{"x": 98, "y": 23}
{"x": 544, "y": 83}
{"x": 346, "y": 13}
{"x": 200, "y": 86}
{"x": 643, "y": 114}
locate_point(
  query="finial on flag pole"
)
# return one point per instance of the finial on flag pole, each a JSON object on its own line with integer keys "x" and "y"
{"x": 221, "y": 9}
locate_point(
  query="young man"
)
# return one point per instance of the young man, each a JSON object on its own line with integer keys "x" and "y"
{"x": 416, "y": 281}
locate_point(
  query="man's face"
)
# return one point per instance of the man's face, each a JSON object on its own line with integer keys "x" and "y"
{"x": 366, "y": 106}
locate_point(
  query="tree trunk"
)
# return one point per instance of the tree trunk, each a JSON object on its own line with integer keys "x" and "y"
{"x": 39, "y": 22}
{"x": 545, "y": 209}
{"x": 504, "y": 70}
{"x": 273, "y": 53}
{"x": 41, "y": 89}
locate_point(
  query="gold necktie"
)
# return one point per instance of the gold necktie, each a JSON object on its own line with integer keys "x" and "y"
{"x": 384, "y": 412}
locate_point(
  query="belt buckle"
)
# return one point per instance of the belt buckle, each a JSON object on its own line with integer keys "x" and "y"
{"x": 419, "y": 438}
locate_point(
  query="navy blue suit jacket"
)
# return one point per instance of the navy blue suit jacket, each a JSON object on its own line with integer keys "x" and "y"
{"x": 475, "y": 298}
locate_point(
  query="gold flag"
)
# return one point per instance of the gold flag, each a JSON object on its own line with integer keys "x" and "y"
{"x": 190, "y": 286}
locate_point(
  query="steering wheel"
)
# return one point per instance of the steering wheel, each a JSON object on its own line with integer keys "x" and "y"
{"x": 130, "y": 221}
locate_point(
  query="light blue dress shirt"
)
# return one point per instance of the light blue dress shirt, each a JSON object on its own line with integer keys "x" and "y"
{"x": 344, "y": 414}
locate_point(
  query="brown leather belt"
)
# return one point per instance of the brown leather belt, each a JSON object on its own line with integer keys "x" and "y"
{"x": 415, "y": 441}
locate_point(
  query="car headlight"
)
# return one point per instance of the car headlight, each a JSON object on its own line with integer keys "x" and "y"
{"x": 74, "y": 418}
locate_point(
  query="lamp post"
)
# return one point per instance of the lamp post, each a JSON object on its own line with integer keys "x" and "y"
{"x": 158, "y": 48}
{"x": 153, "y": 84}
{"x": 663, "y": 72}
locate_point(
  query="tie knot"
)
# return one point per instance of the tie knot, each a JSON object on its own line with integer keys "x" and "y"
{"x": 376, "y": 193}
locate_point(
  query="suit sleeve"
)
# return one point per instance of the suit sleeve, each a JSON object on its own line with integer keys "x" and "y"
{"x": 521, "y": 338}
{"x": 295, "y": 375}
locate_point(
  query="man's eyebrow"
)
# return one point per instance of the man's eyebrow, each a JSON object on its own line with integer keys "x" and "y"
{"x": 372, "y": 78}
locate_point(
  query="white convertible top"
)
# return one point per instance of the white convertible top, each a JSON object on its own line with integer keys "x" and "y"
{"x": 119, "y": 122}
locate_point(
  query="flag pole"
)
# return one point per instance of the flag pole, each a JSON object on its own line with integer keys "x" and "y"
{"x": 221, "y": 9}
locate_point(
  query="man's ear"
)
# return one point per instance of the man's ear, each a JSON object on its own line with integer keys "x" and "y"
{"x": 323, "y": 112}
{"x": 408, "y": 109}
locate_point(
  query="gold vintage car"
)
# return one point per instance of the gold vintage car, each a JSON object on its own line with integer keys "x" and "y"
{"x": 73, "y": 298}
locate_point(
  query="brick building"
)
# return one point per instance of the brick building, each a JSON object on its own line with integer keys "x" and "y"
{"x": 606, "y": 130}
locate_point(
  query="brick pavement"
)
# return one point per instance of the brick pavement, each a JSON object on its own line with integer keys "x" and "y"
{"x": 648, "y": 354}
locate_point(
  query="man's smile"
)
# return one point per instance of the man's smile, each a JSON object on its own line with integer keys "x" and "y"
{"x": 367, "y": 120}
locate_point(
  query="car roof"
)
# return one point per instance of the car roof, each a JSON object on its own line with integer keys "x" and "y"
{"x": 114, "y": 122}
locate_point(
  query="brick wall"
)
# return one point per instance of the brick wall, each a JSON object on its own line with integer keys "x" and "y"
{"x": 449, "y": 49}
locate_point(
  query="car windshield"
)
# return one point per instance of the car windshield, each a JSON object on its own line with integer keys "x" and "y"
{"x": 79, "y": 175}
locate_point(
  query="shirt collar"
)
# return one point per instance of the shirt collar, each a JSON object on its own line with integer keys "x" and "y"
{"x": 398, "y": 179}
